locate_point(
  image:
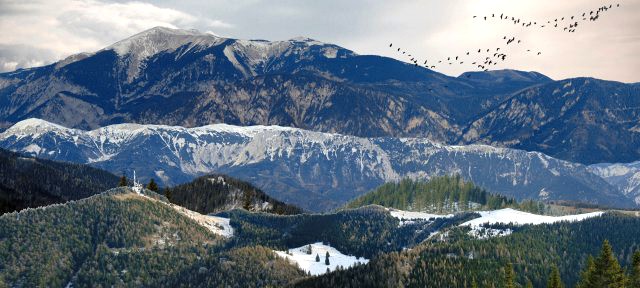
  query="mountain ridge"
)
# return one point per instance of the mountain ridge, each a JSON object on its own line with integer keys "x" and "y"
{"x": 310, "y": 169}
{"x": 191, "y": 79}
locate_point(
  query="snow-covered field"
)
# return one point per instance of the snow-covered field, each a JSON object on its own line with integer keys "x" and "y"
{"x": 307, "y": 262}
{"x": 408, "y": 217}
{"x": 515, "y": 217}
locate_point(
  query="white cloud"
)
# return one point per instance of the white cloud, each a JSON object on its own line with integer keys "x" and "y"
{"x": 67, "y": 27}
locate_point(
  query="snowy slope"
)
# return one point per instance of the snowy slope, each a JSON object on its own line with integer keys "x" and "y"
{"x": 408, "y": 217}
{"x": 307, "y": 262}
{"x": 516, "y": 217}
{"x": 314, "y": 170}
{"x": 215, "y": 224}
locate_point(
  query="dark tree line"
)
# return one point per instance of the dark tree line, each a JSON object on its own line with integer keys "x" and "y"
{"x": 32, "y": 182}
{"x": 215, "y": 193}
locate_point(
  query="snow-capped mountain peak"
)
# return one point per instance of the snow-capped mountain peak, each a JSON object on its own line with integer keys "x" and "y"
{"x": 33, "y": 126}
{"x": 158, "y": 39}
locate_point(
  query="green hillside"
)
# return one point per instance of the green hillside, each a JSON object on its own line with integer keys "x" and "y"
{"x": 443, "y": 194}
{"x": 461, "y": 260}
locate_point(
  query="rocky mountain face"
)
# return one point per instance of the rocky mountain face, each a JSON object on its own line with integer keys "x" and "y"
{"x": 316, "y": 171}
{"x": 178, "y": 77}
{"x": 584, "y": 119}
{"x": 187, "y": 78}
{"x": 626, "y": 177}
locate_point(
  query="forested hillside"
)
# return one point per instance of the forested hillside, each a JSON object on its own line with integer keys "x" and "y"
{"x": 444, "y": 194}
{"x": 461, "y": 260}
{"x": 31, "y": 182}
{"x": 120, "y": 238}
{"x": 124, "y": 239}
{"x": 364, "y": 232}
{"x": 215, "y": 193}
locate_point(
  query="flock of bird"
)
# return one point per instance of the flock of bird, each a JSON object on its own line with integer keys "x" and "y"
{"x": 492, "y": 56}
{"x": 568, "y": 23}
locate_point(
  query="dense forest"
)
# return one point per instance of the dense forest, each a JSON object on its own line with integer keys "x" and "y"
{"x": 443, "y": 194}
{"x": 44, "y": 246}
{"x": 119, "y": 238}
{"x": 31, "y": 182}
{"x": 215, "y": 193}
{"x": 531, "y": 251}
{"x": 364, "y": 232}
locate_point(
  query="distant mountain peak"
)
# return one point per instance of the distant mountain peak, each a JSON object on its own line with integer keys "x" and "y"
{"x": 504, "y": 75}
{"x": 158, "y": 39}
{"x": 31, "y": 125}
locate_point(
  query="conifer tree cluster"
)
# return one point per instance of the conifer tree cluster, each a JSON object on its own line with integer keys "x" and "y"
{"x": 443, "y": 194}
{"x": 603, "y": 271}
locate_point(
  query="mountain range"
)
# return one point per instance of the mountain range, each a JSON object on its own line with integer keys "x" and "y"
{"x": 314, "y": 170}
{"x": 187, "y": 78}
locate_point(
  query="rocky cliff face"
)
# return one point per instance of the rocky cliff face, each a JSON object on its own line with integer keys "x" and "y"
{"x": 316, "y": 171}
{"x": 585, "y": 119}
{"x": 626, "y": 177}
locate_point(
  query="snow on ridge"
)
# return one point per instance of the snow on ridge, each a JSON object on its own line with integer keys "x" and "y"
{"x": 36, "y": 123}
{"x": 515, "y": 217}
{"x": 606, "y": 170}
{"x": 509, "y": 215}
{"x": 307, "y": 262}
{"x": 217, "y": 225}
{"x": 157, "y": 39}
{"x": 407, "y": 217}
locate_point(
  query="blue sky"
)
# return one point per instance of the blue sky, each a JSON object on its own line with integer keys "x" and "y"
{"x": 37, "y": 32}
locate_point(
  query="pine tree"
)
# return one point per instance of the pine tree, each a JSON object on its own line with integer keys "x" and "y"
{"x": 123, "y": 181}
{"x": 326, "y": 259}
{"x": 152, "y": 185}
{"x": 317, "y": 258}
{"x": 605, "y": 271}
{"x": 585, "y": 275}
{"x": 529, "y": 283}
{"x": 509, "y": 276}
{"x": 168, "y": 194}
{"x": 474, "y": 284}
{"x": 634, "y": 278}
{"x": 554, "y": 280}
{"x": 309, "y": 250}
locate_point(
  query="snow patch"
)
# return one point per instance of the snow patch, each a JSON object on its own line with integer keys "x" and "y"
{"x": 408, "y": 217}
{"x": 307, "y": 262}
{"x": 218, "y": 225}
{"x": 516, "y": 217}
{"x": 215, "y": 224}
{"x": 33, "y": 148}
